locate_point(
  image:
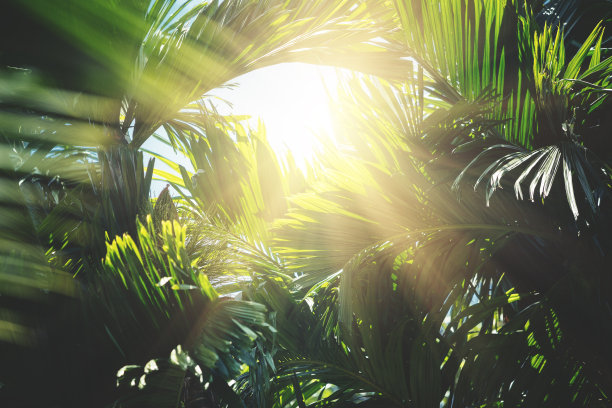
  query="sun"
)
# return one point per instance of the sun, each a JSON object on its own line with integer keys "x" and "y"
{"x": 292, "y": 100}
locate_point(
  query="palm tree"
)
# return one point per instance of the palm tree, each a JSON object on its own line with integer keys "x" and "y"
{"x": 379, "y": 287}
{"x": 406, "y": 297}
{"x": 97, "y": 276}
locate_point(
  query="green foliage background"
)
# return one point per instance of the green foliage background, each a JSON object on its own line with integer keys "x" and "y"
{"x": 405, "y": 268}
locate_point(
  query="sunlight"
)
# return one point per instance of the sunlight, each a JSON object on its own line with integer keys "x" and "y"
{"x": 292, "y": 101}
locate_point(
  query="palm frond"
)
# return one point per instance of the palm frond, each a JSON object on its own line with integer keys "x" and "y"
{"x": 558, "y": 134}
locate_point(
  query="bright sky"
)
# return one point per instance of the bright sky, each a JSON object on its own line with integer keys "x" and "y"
{"x": 292, "y": 101}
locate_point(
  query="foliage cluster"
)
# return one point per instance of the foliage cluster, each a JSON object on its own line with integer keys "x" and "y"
{"x": 404, "y": 269}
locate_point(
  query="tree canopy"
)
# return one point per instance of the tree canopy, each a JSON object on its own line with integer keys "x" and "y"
{"x": 451, "y": 249}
